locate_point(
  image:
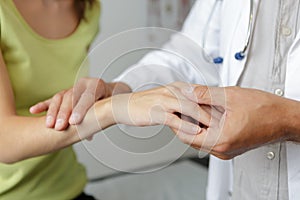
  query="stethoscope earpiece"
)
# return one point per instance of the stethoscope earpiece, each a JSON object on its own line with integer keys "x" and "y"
{"x": 239, "y": 56}
{"x": 218, "y": 60}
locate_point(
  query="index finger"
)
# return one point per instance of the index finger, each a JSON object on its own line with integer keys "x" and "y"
{"x": 86, "y": 101}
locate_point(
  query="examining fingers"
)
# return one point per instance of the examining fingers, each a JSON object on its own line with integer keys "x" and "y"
{"x": 194, "y": 111}
{"x": 86, "y": 92}
{"x": 64, "y": 112}
{"x": 185, "y": 106}
{"x": 54, "y": 109}
{"x": 40, "y": 107}
{"x": 70, "y": 106}
{"x": 178, "y": 124}
{"x": 193, "y": 141}
{"x": 203, "y": 142}
{"x": 85, "y": 102}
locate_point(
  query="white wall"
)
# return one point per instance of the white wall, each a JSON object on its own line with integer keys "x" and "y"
{"x": 124, "y": 148}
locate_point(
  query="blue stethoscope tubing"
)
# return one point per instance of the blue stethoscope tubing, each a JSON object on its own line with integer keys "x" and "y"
{"x": 240, "y": 55}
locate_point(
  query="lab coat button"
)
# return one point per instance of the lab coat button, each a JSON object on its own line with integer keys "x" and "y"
{"x": 270, "y": 155}
{"x": 286, "y": 31}
{"x": 279, "y": 92}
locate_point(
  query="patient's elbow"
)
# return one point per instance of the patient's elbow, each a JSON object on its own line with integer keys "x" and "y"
{"x": 7, "y": 161}
{"x": 9, "y": 151}
{"x": 8, "y": 157}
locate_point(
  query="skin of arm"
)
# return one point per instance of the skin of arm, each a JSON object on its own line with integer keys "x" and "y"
{"x": 26, "y": 137}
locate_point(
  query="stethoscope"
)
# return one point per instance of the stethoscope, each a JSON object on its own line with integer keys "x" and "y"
{"x": 240, "y": 55}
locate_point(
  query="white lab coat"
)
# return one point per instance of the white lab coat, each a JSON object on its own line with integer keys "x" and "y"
{"x": 232, "y": 32}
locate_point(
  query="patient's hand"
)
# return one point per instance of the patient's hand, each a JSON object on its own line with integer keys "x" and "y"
{"x": 70, "y": 106}
{"x": 162, "y": 105}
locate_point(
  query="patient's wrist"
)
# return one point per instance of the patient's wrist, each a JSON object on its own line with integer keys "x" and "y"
{"x": 104, "y": 113}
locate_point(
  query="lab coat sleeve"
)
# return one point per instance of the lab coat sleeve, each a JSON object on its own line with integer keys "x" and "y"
{"x": 180, "y": 59}
{"x": 220, "y": 179}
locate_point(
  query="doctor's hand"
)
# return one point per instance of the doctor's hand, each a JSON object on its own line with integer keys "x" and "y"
{"x": 242, "y": 119}
{"x": 157, "y": 106}
{"x": 70, "y": 106}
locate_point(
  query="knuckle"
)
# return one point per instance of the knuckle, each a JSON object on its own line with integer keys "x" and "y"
{"x": 170, "y": 119}
{"x": 101, "y": 88}
{"x": 184, "y": 139}
{"x": 100, "y": 82}
{"x": 89, "y": 96}
{"x": 69, "y": 93}
{"x": 41, "y": 104}
{"x": 83, "y": 80}
{"x": 57, "y": 97}
{"x": 166, "y": 90}
{"x": 201, "y": 91}
{"x": 91, "y": 81}
{"x": 177, "y": 84}
{"x": 79, "y": 83}
{"x": 53, "y": 109}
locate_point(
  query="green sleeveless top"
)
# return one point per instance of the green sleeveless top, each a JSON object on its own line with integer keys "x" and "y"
{"x": 38, "y": 68}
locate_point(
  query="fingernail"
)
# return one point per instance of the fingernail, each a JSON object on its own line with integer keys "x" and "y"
{"x": 31, "y": 109}
{"x": 59, "y": 124}
{"x": 74, "y": 118}
{"x": 196, "y": 130}
{"x": 49, "y": 121}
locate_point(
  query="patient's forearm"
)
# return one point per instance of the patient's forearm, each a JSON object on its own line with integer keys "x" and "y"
{"x": 26, "y": 137}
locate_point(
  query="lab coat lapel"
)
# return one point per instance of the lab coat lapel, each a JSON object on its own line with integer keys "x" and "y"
{"x": 292, "y": 91}
{"x": 293, "y": 70}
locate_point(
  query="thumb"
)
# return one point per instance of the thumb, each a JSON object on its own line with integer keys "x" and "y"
{"x": 40, "y": 107}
